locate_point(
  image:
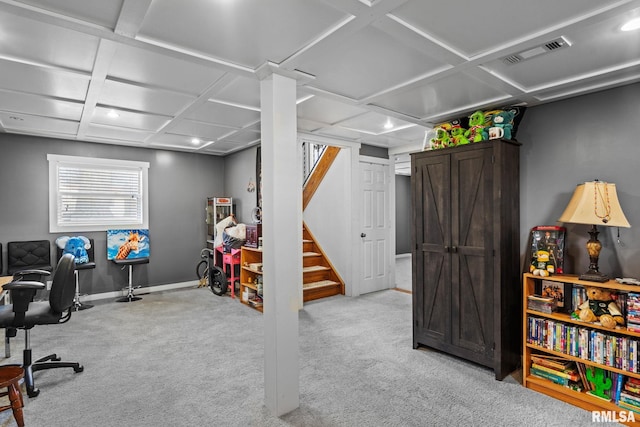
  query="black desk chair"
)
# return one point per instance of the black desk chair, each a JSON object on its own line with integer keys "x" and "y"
{"x": 77, "y": 304}
{"x": 28, "y": 260}
{"x": 24, "y": 313}
{"x": 29, "y": 255}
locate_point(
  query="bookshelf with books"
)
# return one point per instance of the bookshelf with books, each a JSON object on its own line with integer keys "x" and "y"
{"x": 251, "y": 277}
{"x": 582, "y": 363}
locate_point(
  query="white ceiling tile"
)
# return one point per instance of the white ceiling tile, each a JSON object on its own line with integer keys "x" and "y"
{"x": 139, "y": 65}
{"x": 373, "y": 123}
{"x": 43, "y": 81}
{"x": 214, "y": 112}
{"x": 100, "y": 12}
{"x": 327, "y": 110}
{"x": 221, "y": 147}
{"x": 456, "y": 92}
{"x": 117, "y": 133}
{"x": 174, "y": 140}
{"x": 366, "y": 63}
{"x": 242, "y": 137}
{"x": 246, "y": 33}
{"x": 23, "y": 122}
{"x": 578, "y": 60}
{"x": 46, "y": 44}
{"x": 242, "y": 91}
{"x": 473, "y": 29}
{"x": 132, "y": 97}
{"x": 128, "y": 119}
{"x": 200, "y": 130}
{"x": 40, "y": 106}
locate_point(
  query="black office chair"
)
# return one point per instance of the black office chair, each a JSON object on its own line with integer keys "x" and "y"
{"x": 24, "y": 313}
{"x": 29, "y": 255}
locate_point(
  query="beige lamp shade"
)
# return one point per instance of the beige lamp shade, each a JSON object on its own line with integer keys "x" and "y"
{"x": 595, "y": 203}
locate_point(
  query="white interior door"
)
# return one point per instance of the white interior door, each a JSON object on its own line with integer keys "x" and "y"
{"x": 375, "y": 227}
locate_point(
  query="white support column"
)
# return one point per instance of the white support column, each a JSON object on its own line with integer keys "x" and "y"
{"x": 282, "y": 242}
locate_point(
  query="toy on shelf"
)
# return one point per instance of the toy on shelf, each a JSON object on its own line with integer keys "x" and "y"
{"x": 441, "y": 140}
{"x": 504, "y": 120}
{"x": 476, "y": 131}
{"x": 457, "y": 135}
{"x": 600, "y": 307}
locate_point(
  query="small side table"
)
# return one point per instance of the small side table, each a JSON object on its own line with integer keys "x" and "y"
{"x": 229, "y": 261}
{"x": 10, "y": 376}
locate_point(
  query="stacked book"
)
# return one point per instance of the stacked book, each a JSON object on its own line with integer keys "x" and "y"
{"x": 630, "y": 395}
{"x": 558, "y": 370}
{"x": 633, "y": 311}
{"x": 541, "y": 304}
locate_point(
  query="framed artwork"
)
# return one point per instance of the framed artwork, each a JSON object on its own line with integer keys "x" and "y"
{"x": 127, "y": 244}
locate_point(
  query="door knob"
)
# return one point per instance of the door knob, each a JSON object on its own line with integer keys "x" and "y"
{"x": 363, "y": 235}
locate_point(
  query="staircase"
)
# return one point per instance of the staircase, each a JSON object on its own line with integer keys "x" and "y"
{"x": 319, "y": 278}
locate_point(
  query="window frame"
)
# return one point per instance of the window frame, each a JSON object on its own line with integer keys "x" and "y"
{"x": 56, "y": 160}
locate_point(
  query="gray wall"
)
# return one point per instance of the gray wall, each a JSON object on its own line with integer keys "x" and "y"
{"x": 403, "y": 214}
{"x": 179, "y": 184}
{"x": 569, "y": 142}
{"x": 240, "y": 167}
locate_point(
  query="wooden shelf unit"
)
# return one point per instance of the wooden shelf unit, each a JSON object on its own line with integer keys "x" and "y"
{"x": 248, "y": 275}
{"x": 577, "y": 398}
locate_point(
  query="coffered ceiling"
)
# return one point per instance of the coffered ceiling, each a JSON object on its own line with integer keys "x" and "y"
{"x": 184, "y": 75}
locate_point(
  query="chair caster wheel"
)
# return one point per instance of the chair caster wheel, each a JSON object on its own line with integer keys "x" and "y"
{"x": 78, "y": 369}
{"x": 34, "y": 392}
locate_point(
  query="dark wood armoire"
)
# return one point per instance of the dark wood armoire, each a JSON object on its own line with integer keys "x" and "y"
{"x": 465, "y": 258}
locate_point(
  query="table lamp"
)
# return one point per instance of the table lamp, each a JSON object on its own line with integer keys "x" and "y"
{"x": 595, "y": 203}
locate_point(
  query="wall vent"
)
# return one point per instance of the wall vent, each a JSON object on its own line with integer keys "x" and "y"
{"x": 550, "y": 46}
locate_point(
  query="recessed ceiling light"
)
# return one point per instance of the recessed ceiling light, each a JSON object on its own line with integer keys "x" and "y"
{"x": 113, "y": 114}
{"x": 388, "y": 124}
{"x": 631, "y": 25}
{"x": 195, "y": 141}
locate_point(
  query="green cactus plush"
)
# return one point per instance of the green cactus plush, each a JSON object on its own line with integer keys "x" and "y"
{"x": 597, "y": 377}
{"x": 476, "y": 131}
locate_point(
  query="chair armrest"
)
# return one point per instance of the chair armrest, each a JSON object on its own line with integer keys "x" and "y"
{"x": 18, "y": 285}
{"x": 22, "y": 294}
{"x": 23, "y": 273}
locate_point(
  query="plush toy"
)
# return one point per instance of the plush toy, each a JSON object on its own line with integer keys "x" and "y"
{"x": 504, "y": 120}
{"x": 476, "y": 130}
{"x": 76, "y": 246}
{"x": 457, "y": 135}
{"x": 601, "y": 307}
{"x": 542, "y": 265}
{"x": 442, "y": 139}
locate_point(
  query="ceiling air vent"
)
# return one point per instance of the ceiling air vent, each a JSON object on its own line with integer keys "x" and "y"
{"x": 547, "y": 47}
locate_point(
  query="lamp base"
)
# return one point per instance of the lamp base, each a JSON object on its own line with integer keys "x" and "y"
{"x": 594, "y": 276}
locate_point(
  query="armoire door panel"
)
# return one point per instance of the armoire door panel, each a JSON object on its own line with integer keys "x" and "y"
{"x": 435, "y": 317}
{"x": 471, "y": 327}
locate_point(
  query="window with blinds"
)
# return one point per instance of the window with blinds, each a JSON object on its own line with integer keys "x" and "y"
{"x": 89, "y": 194}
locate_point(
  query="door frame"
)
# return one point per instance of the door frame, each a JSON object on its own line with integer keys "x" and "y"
{"x": 356, "y": 246}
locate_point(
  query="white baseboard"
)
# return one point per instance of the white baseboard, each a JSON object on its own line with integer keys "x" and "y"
{"x": 143, "y": 290}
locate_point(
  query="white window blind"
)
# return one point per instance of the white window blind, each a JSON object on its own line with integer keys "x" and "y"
{"x": 96, "y": 194}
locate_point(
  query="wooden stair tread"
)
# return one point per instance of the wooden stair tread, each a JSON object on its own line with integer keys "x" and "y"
{"x": 314, "y": 268}
{"x": 319, "y": 284}
{"x": 310, "y": 254}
